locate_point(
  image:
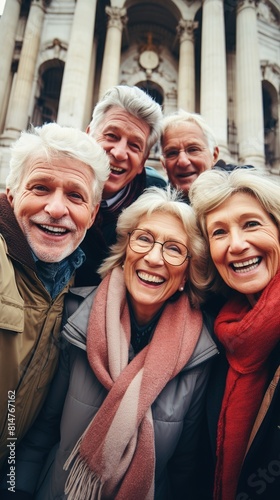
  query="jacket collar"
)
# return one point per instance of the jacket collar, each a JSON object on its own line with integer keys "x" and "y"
{"x": 17, "y": 244}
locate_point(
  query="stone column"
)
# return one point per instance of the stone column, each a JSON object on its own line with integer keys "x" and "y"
{"x": 17, "y": 118}
{"x": 73, "y": 97}
{"x": 250, "y": 122}
{"x": 112, "y": 52}
{"x": 186, "y": 72}
{"x": 90, "y": 90}
{"x": 213, "y": 98}
{"x": 8, "y": 28}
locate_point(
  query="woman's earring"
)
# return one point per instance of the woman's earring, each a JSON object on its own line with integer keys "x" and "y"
{"x": 181, "y": 288}
{"x": 122, "y": 266}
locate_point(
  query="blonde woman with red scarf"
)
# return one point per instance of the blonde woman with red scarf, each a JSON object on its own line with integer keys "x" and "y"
{"x": 132, "y": 382}
{"x": 239, "y": 215}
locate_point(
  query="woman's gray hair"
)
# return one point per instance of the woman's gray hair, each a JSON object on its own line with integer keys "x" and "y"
{"x": 167, "y": 201}
{"x": 53, "y": 141}
{"x": 181, "y": 117}
{"x": 213, "y": 187}
{"x": 134, "y": 101}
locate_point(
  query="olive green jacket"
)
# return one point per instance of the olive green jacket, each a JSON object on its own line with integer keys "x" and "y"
{"x": 30, "y": 323}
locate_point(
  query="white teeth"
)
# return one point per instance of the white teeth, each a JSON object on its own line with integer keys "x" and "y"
{"x": 53, "y": 229}
{"x": 248, "y": 265}
{"x": 150, "y": 277}
{"x": 116, "y": 169}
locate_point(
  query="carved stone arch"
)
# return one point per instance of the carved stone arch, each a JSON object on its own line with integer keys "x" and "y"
{"x": 176, "y": 8}
{"x": 153, "y": 89}
{"x": 271, "y": 73}
{"x": 269, "y": 12}
{"x": 53, "y": 49}
{"x": 51, "y": 62}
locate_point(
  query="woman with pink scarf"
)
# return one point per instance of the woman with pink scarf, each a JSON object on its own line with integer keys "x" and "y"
{"x": 134, "y": 371}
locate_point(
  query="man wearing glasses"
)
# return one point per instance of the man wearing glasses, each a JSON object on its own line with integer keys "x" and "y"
{"x": 188, "y": 148}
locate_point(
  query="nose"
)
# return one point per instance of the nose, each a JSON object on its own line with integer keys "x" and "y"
{"x": 56, "y": 206}
{"x": 238, "y": 242}
{"x": 154, "y": 256}
{"x": 183, "y": 158}
{"x": 119, "y": 150}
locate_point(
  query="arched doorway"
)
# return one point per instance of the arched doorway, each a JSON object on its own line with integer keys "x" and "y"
{"x": 46, "y": 106}
{"x": 271, "y": 123}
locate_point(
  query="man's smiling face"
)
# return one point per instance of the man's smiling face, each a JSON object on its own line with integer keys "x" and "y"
{"x": 53, "y": 206}
{"x": 124, "y": 138}
{"x": 186, "y": 154}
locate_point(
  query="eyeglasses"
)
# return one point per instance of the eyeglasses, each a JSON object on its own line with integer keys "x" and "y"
{"x": 173, "y": 252}
{"x": 190, "y": 151}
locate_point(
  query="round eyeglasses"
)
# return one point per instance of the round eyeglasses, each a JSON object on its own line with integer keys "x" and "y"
{"x": 173, "y": 252}
{"x": 190, "y": 151}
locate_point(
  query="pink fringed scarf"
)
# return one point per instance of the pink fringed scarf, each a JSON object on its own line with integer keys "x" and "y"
{"x": 249, "y": 336}
{"x": 115, "y": 457}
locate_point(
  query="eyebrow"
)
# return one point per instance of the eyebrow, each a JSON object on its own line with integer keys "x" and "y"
{"x": 50, "y": 180}
{"x": 166, "y": 238}
{"x": 132, "y": 137}
{"x": 210, "y": 227}
{"x": 193, "y": 142}
{"x": 242, "y": 216}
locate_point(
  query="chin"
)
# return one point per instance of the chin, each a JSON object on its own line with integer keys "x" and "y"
{"x": 51, "y": 258}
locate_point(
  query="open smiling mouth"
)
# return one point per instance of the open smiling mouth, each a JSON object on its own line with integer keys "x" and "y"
{"x": 187, "y": 174}
{"x": 246, "y": 266}
{"x": 54, "y": 231}
{"x": 150, "y": 278}
{"x": 117, "y": 170}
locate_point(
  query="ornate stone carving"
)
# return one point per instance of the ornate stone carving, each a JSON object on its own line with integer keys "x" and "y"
{"x": 185, "y": 29}
{"x": 265, "y": 14}
{"x": 116, "y": 17}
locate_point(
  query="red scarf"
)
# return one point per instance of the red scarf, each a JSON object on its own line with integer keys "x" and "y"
{"x": 115, "y": 457}
{"x": 249, "y": 336}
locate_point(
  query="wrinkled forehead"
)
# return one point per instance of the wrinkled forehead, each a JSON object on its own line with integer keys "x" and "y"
{"x": 186, "y": 131}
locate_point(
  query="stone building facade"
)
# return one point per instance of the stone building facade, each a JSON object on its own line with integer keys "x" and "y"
{"x": 220, "y": 58}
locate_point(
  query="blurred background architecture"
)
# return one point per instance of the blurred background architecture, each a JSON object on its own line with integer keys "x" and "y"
{"x": 218, "y": 58}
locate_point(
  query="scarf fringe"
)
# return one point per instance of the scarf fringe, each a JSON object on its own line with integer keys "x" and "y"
{"x": 74, "y": 454}
{"x": 82, "y": 482}
{"x": 100, "y": 464}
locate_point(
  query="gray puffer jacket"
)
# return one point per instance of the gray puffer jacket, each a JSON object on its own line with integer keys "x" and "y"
{"x": 78, "y": 394}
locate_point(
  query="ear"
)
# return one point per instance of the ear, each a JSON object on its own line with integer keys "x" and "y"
{"x": 141, "y": 165}
{"x": 216, "y": 155}
{"x": 10, "y": 197}
{"x": 185, "y": 278}
{"x": 93, "y": 215}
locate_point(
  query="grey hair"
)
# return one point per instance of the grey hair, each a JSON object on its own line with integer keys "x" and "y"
{"x": 136, "y": 102}
{"x": 53, "y": 141}
{"x": 213, "y": 187}
{"x": 168, "y": 201}
{"x": 180, "y": 117}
